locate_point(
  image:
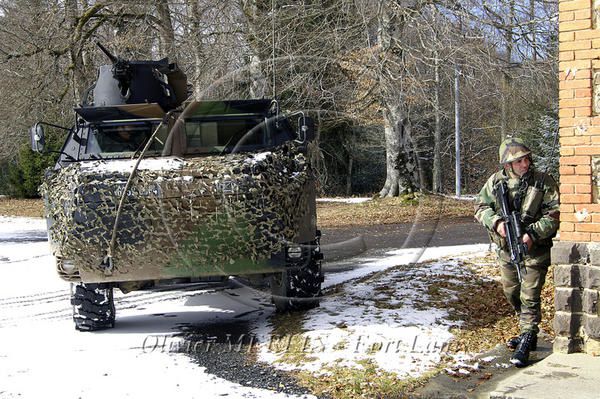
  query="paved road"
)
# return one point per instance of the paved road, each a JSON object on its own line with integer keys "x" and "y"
{"x": 339, "y": 243}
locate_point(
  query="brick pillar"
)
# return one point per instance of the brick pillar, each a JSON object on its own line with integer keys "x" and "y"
{"x": 577, "y": 253}
{"x": 577, "y": 282}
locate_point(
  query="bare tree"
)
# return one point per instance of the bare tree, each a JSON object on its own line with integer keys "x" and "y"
{"x": 377, "y": 73}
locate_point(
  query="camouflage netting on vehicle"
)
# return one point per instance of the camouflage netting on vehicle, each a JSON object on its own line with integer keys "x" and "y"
{"x": 201, "y": 216}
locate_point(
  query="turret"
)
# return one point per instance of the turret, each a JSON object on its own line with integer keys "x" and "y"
{"x": 138, "y": 82}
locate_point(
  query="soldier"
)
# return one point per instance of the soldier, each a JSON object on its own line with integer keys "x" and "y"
{"x": 535, "y": 194}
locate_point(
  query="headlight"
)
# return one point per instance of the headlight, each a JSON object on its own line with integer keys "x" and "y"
{"x": 294, "y": 252}
{"x": 67, "y": 266}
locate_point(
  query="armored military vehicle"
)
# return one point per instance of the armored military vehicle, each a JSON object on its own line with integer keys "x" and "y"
{"x": 153, "y": 191}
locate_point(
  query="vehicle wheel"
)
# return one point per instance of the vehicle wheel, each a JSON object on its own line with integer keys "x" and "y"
{"x": 93, "y": 306}
{"x": 299, "y": 287}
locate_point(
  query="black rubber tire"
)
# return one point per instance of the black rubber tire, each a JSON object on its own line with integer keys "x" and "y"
{"x": 93, "y": 306}
{"x": 299, "y": 288}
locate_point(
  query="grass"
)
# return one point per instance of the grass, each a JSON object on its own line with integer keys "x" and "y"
{"x": 329, "y": 214}
{"x": 287, "y": 338}
{"x": 338, "y": 382}
{"x": 366, "y": 382}
{"x": 391, "y": 211}
{"x": 21, "y": 207}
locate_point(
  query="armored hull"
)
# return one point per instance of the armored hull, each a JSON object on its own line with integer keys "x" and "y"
{"x": 151, "y": 190}
{"x": 222, "y": 215}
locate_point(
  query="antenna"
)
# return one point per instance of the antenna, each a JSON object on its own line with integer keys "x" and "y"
{"x": 273, "y": 44}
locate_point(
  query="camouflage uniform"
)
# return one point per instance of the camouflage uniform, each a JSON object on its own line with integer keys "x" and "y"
{"x": 525, "y": 296}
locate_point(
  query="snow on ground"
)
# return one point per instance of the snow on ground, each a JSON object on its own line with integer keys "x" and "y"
{"x": 364, "y": 265}
{"x": 345, "y": 200}
{"x": 41, "y": 354}
{"x": 358, "y": 200}
{"x": 386, "y": 318}
{"x": 470, "y": 197}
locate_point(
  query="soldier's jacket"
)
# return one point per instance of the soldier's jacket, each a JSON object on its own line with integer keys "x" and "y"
{"x": 545, "y": 223}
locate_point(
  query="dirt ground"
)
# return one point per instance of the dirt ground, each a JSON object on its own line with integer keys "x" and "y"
{"x": 380, "y": 211}
{"x": 383, "y": 211}
{"x": 21, "y": 207}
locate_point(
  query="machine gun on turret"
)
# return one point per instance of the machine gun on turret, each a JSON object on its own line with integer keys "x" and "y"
{"x": 121, "y": 69}
{"x": 138, "y": 82}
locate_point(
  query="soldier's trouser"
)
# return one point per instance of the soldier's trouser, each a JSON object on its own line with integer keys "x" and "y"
{"x": 525, "y": 297}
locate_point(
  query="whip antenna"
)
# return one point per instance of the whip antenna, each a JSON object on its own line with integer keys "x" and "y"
{"x": 273, "y": 44}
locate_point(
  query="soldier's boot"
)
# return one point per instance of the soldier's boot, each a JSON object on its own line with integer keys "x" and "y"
{"x": 521, "y": 355}
{"x": 513, "y": 342}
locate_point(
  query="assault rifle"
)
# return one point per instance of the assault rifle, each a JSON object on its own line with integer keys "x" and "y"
{"x": 513, "y": 229}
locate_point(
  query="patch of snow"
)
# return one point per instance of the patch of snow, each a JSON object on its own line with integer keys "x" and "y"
{"x": 44, "y": 356}
{"x": 345, "y": 200}
{"x": 462, "y": 197}
{"x": 15, "y": 226}
{"x": 488, "y": 359}
{"x": 25, "y": 261}
{"x": 387, "y": 319}
{"x": 371, "y": 264}
{"x": 259, "y": 157}
{"x": 126, "y": 165}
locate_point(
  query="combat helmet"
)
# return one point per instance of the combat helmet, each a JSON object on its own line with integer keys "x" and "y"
{"x": 511, "y": 149}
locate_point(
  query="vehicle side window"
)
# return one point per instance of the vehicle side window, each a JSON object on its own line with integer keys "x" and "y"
{"x": 124, "y": 138}
{"x": 92, "y": 144}
{"x": 202, "y": 134}
{"x": 215, "y": 136}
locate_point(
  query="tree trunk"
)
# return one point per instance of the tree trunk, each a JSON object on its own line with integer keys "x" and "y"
{"x": 457, "y": 132}
{"x": 197, "y": 50}
{"x": 77, "y": 66}
{"x": 167, "y": 33}
{"x": 533, "y": 29}
{"x": 401, "y": 166}
{"x": 258, "y": 81}
{"x": 503, "y": 106}
{"x": 349, "y": 175}
{"x": 253, "y": 9}
{"x": 505, "y": 73}
{"x": 437, "y": 133}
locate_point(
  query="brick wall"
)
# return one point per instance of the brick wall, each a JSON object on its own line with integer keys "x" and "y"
{"x": 579, "y": 52}
{"x": 577, "y": 255}
{"x": 576, "y": 295}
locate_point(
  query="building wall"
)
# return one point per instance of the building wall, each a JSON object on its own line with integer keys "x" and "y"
{"x": 577, "y": 255}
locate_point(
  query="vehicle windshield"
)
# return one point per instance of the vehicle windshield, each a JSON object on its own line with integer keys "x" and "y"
{"x": 126, "y": 138}
{"x": 206, "y": 135}
{"x": 218, "y": 135}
